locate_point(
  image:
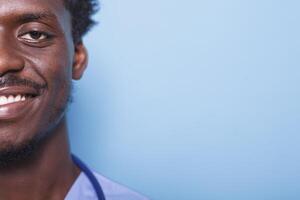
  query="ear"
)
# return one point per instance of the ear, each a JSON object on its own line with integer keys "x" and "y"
{"x": 80, "y": 61}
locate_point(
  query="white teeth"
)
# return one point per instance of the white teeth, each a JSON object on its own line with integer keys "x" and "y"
{"x": 11, "y": 99}
{"x": 3, "y": 100}
{"x": 18, "y": 98}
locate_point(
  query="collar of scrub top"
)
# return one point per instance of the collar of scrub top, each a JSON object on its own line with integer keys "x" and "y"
{"x": 90, "y": 175}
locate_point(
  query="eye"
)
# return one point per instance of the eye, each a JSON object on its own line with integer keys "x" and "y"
{"x": 35, "y": 36}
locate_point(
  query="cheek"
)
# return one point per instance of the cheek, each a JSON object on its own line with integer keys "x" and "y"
{"x": 55, "y": 67}
{"x": 59, "y": 76}
{"x": 59, "y": 66}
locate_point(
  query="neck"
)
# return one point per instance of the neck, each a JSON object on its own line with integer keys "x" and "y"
{"x": 48, "y": 175}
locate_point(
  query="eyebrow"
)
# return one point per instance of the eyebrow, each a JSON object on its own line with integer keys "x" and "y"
{"x": 37, "y": 16}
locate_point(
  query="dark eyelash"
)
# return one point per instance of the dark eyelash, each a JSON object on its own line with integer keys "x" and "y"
{"x": 47, "y": 35}
{"x": 37, "y": 38}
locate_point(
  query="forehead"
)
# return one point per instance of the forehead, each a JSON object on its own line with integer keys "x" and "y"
{"x": 55, "y": 9}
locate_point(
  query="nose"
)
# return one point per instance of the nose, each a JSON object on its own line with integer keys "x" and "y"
{"x": 10, "y": 58}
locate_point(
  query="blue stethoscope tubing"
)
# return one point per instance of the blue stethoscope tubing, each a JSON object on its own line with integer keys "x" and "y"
{"x": 85, "y": 169}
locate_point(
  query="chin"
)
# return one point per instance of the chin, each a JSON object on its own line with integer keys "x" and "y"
{"x": 13, "y": 153}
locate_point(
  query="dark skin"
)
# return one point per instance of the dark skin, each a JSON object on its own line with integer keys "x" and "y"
{"x": 36, "y": 44}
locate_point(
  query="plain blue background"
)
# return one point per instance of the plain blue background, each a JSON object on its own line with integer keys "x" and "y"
{"x": 194, "y": 99}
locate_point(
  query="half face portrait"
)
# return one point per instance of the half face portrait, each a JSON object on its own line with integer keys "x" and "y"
{"x": 41, "y": 54}
{"x": 39, "y": 57}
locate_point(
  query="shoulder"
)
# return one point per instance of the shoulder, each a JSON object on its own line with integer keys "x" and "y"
{"x": 116, "y": 191}
{"x": 82, "y": 189}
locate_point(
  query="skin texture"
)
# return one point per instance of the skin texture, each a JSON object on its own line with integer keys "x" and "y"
{"x": 51, "y": 60}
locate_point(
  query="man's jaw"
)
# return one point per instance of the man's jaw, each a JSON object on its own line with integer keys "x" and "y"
{"x": 15, "y": 154}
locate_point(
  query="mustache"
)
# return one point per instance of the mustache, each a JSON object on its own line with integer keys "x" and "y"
{"x": 13, "y": 80}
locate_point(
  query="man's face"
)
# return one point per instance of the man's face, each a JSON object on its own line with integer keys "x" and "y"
{"x": 36, "y": 67}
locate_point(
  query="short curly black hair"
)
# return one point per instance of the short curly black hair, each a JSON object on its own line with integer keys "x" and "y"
{"x": 81, "y": 14}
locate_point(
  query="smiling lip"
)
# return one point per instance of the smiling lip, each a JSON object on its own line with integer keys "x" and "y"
{"x": 16, "y": 101}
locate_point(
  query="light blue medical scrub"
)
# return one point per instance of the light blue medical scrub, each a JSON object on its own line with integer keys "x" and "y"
{"x": 82, "y": 189}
